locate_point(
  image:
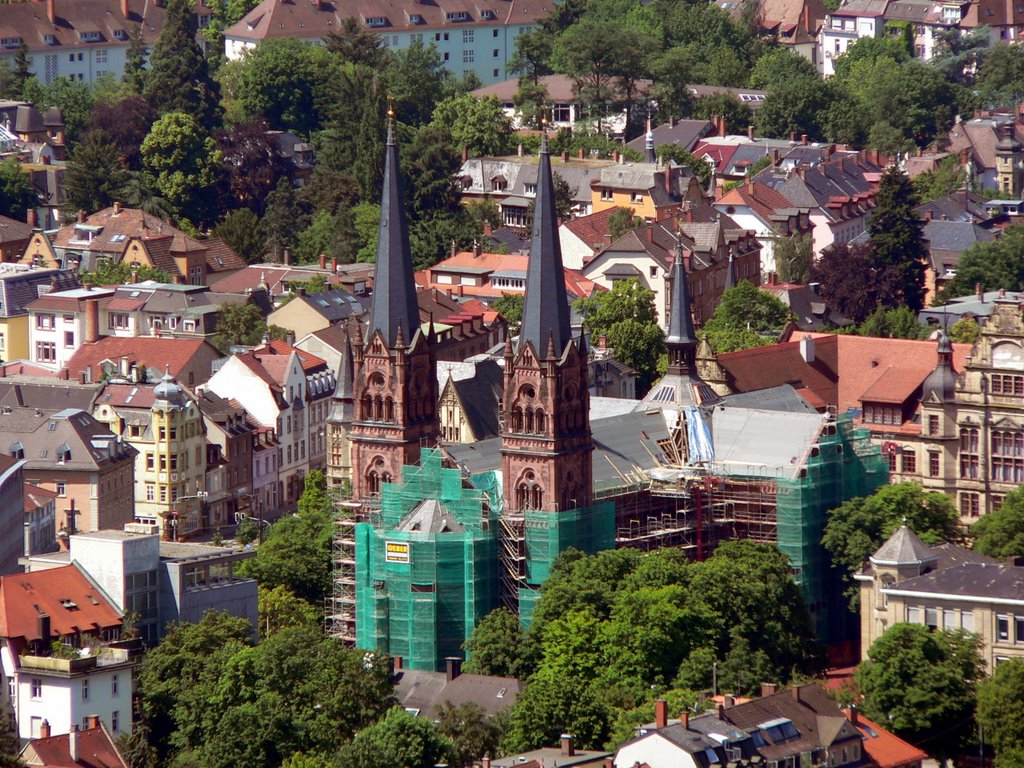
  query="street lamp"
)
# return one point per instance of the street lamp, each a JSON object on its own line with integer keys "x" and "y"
{"x": 174, "y": 514}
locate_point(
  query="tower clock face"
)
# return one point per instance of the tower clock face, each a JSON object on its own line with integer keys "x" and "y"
{"x": 1008, "y": 357}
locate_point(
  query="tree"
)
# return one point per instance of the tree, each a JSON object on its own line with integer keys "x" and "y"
{"x": 698, "y": 165}
{"x": 793, "y": 257}
{"x": 95, "y": 178}
{"x": 323, "y": 236}
{"x": 496, "y": 646}
{"x": 108, "y": 272}
{"x": 297, "y": 551}
{"x": 72, "y": 97}
{"x": 1000, "y": 533}
{"x": 958, "y": 56}
{"x": 625, "y": 315}
{"x": 1000, "y": 715}
{"x": 280, "y": 609}
{"x": 22, "y": 69}
{"x": 510, "y": 305}
{"x": 416, "y": 79}
{"x": 899, "y": 323}
{"x": 179, "y": 79}
{"x": 239, "y": 324}
{"x": 992, "y": 265}
{"x": 591, "y": 52}
{"x": 897, "y": 237}
{"x": 184, "y": 162}
{"x": 623, "y": 220}
{"x": 948, "y": 177}
{"x": 357, "y": 44}
{"x": 1000, "y": 77}
{"x": 921, "y": 684}
{"x": 734, "y": 112}
{"x": 797, "y": 106}
{"x": 531, "y": 56}
{"x": 471, "y": 733}
{"x": 175, "y": 674}
{"x": 288, "y": 82}
{"x": 399, "y": 740}
{"x": 779, "y": 66}
{"x": 134, "y": 76}
{"x": 10, "y": 746}
{"x": 16, "y": 192}
{"x": 241, "y": 230}
{"x": 672, "y": 71}
{"x": 964, "y": 331}
{"x": 284, "y": 219}
{"x": 745, "y": 317}
{"x": 848, "y": 281}
{"x": 126, "y": 123}
{"x": 253, "y": 164}
{"x": 858, "y": 527}
{"x": 478, "y": 126}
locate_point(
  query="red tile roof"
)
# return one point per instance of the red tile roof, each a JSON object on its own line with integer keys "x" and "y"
{"x": 593, "y": 228}
{"x": 844, "y": 368}
{"x": 36, "y": 497}
{"x": 96, "y": 749}
{"x": 127, "y": 395}
{"x": 761, "y": 198}
{"x": 885, "y": 749}
{"x": 307, "y": 360}
{"x": 64, "y": 594}
{"x": 179, "y": 356}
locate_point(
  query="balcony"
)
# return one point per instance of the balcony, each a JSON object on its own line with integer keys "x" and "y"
{"x": 108, "y": 657}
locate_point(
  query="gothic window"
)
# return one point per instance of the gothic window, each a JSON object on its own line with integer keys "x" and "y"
{"x": 389, "y": 409}
{"x": 528, "y": 493}
{"x": 538, "y": 422}
{"x": 517, "y": 419}
{"x": 529, "y": 421}
{"x": 376, "y": 475}
{"x": 378, "y": 408}
{"x": 367, "y": 409}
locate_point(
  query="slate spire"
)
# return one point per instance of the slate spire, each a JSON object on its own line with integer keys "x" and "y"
{"x": 681, "y": 340}
{"x": 546, "y": 308}
{"x": 649, "y": 155}
{"x": 394, "y": 289}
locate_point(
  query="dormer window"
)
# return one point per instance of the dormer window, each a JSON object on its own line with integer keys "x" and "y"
{"x": 457, "y": 16}
{"x": 488, "y": 15}
{"x": 120, "y": 34}
{"x": 377, "y": 21}
{"x": 530, "y": 189}
{"x": 63, "y": 453}
{"x": 50, "y": 39}
{"x": 89, "y": 37}
{"x": 10, "y": 42}
{"x": 415, "y": 18}
{"x": 17, "y": 450}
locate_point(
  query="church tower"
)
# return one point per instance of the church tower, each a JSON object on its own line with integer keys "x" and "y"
{"x": 395, "y": 385}
{"x": 546, "y": 444}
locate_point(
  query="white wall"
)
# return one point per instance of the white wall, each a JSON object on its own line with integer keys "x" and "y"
{"x": 235, "y": 380}
{"x": 656, "y": 751}
{"x": 61, "y": 702}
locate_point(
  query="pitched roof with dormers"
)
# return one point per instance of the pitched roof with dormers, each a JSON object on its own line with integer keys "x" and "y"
{"x": 96, "y": 748}
{"x": 766, "y": 203}
{"x": 885, "y": 749}
{"x": 71, "y": 601}
{"x": 180, "y": 356}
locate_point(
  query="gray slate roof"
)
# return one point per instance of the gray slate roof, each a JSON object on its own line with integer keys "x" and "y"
{"x": 976, "y": 581}
{"x": 904, "y": 547}
{"x": 426, "y": 691}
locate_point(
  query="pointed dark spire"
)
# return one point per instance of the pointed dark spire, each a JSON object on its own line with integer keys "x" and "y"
{"x": 346, "y": 371}
{"x": 394, "y": 289}
{"x": 649, "y": 156}
{"x": 681, "y": 340}
{"x": 546, "y": 308}
{"x": 730, "y": 273}
{"x": 941, "y": 382}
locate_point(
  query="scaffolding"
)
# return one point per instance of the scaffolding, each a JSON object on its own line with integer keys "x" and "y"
{"x": 340, "y": 607}
{"x": 425, "y": 565}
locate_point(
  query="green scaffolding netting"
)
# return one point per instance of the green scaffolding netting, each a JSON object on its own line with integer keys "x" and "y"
{"x": 843, "y": 464}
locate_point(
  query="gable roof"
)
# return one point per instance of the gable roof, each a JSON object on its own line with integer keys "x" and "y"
{"x": 64, "y": 594}
{"x": 591, "y": 230}
{"x": 179, "y": 356}
{"x": 764, "y": 201}
{"x": 21, "y": 285}
{"x": 681, "y": 133}
{"x": 479, "y": 395}
{"x": 884, "y": 749}
{"x": 426, "y": 691}
{"x": 96, "y": 748}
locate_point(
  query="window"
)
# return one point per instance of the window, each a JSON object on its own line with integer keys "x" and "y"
{"x": 1018, "y": 629}
{"x": 933, "y": 425}
{"x": 913, "y": 614}
{"x": 1002, "y": 627}
{"x": 636, "y": 197}
{"x": 69, "y": 338}
{"x": 967, "y": 620}
{"x": 150, "y": 492}
{"x": 113, "y": 685}
{"x": 495, "y": 54}
{"x": 607, "y": 195}
{"x": 468, "y": 56}
{"x": 969, "y": 505}
{"x": 85, "y": 689}
{"x": 45, "y": 322}
{"x": 1007, "y": 384}
{"x": 1008, "y": 457}
{"x": 62, "y": 488}
{"x": 909, "y": 461}
{"x": 948, "y": 619}
{"x": 891, "y": 456}
{"x": 969, "y": 453}
{"x": 933, "y": 464}
{"x": 467, "y": 36}
{"x": 117, "y": 320}
{"x": 931, "y": 618}
{"x": 101, "y": 55}
{"x": 46, "y": 352}
{"x": 37, "y": 688}
{"x": 115, "y": 724}
{"x": 446, "y": 56}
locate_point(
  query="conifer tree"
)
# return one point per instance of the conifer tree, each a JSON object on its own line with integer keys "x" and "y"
{"x": 179, "y": 78}
{"x": 897, "y": 236}
{"x": 135, "y": 63}
{"x": 95, "y": 177}
{"x": 22, "y": 72}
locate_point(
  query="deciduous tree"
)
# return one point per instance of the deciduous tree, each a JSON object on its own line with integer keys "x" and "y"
{"x": 239, "y": 323}
{"x": 745, "y": 317}
{"x": 16, "y": 192}
{"x": 1001, "y": 533}
{"x": 399, "y": 740}
{"x": 479, "y": 126}
{"x": 126, "y": 122}
{"x": 1000, "y": 714}
{"x": 185, "y": 164}
{"x": 471, "y": 733}
{"x": 848, "y": 280}
{"x": 498, "y": 646}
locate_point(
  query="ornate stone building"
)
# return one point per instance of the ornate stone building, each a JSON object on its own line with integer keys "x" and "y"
{"x": 395, "y": 387}
{"x": 546, "y": 444}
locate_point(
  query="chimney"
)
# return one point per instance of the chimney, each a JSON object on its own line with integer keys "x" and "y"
{"x": 768, "y": 689}
{"x": 452, "y": 667}
{"x": 792, "y": 138}
{"x": 721, "y": 125}
{"x": 672, "y": 122}
{"x": 124, "y": 8}
{"x": 853, "y": 715}
{"x": 795, "y": 692}
{"x": 684, "y": 719}
{"x": 44, "y": 729}
{"x": 51, "y": 11}
{"x": 454, "y": 250}
{"x": 582, "y": 154}
{"x": 775, "y": 155}
{"x": 978, "y": 293}
{"x": 81, "y": 377}
{"x": 519, "y": 150}
{"x": 602, "y": 342}
{"x": 1002, "y": 293}
{"x": 807, "y": 17}
{"x": 927, "y": 214}
{"x": 31, "y": 218}
{"x": 94, "y": 721}
{"x": 803, "y": 138}
{"x": 565, "y": 157}
{"x": 287, "y": 256}
{"x": 465, "y": 155}
{"x": 660, "y": 713}
{"x": 807, "y": 349}
{"x": 117, "y": 209}
{"x": 487, "y": 229}
{"x": 334, "y": 265}
{"x": 43, "y": 627}
{"x": 615, "y": 156}
{"x": 399, "y": 663}
{"x": 81, "y": 214}
{"x": 477, "y": 249}
{"x": 92, "y": 320}
{"x": 485, "y": 761}
{"x": 73, "y": 734}
{"x": 568, "y": 744}
{"x": 721, "y": 711}
{"x": 323, "y": 261}
{"x": 750, "y": 132}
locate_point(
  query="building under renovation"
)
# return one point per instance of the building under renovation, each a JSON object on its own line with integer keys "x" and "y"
{"x": 435, "y": 539}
